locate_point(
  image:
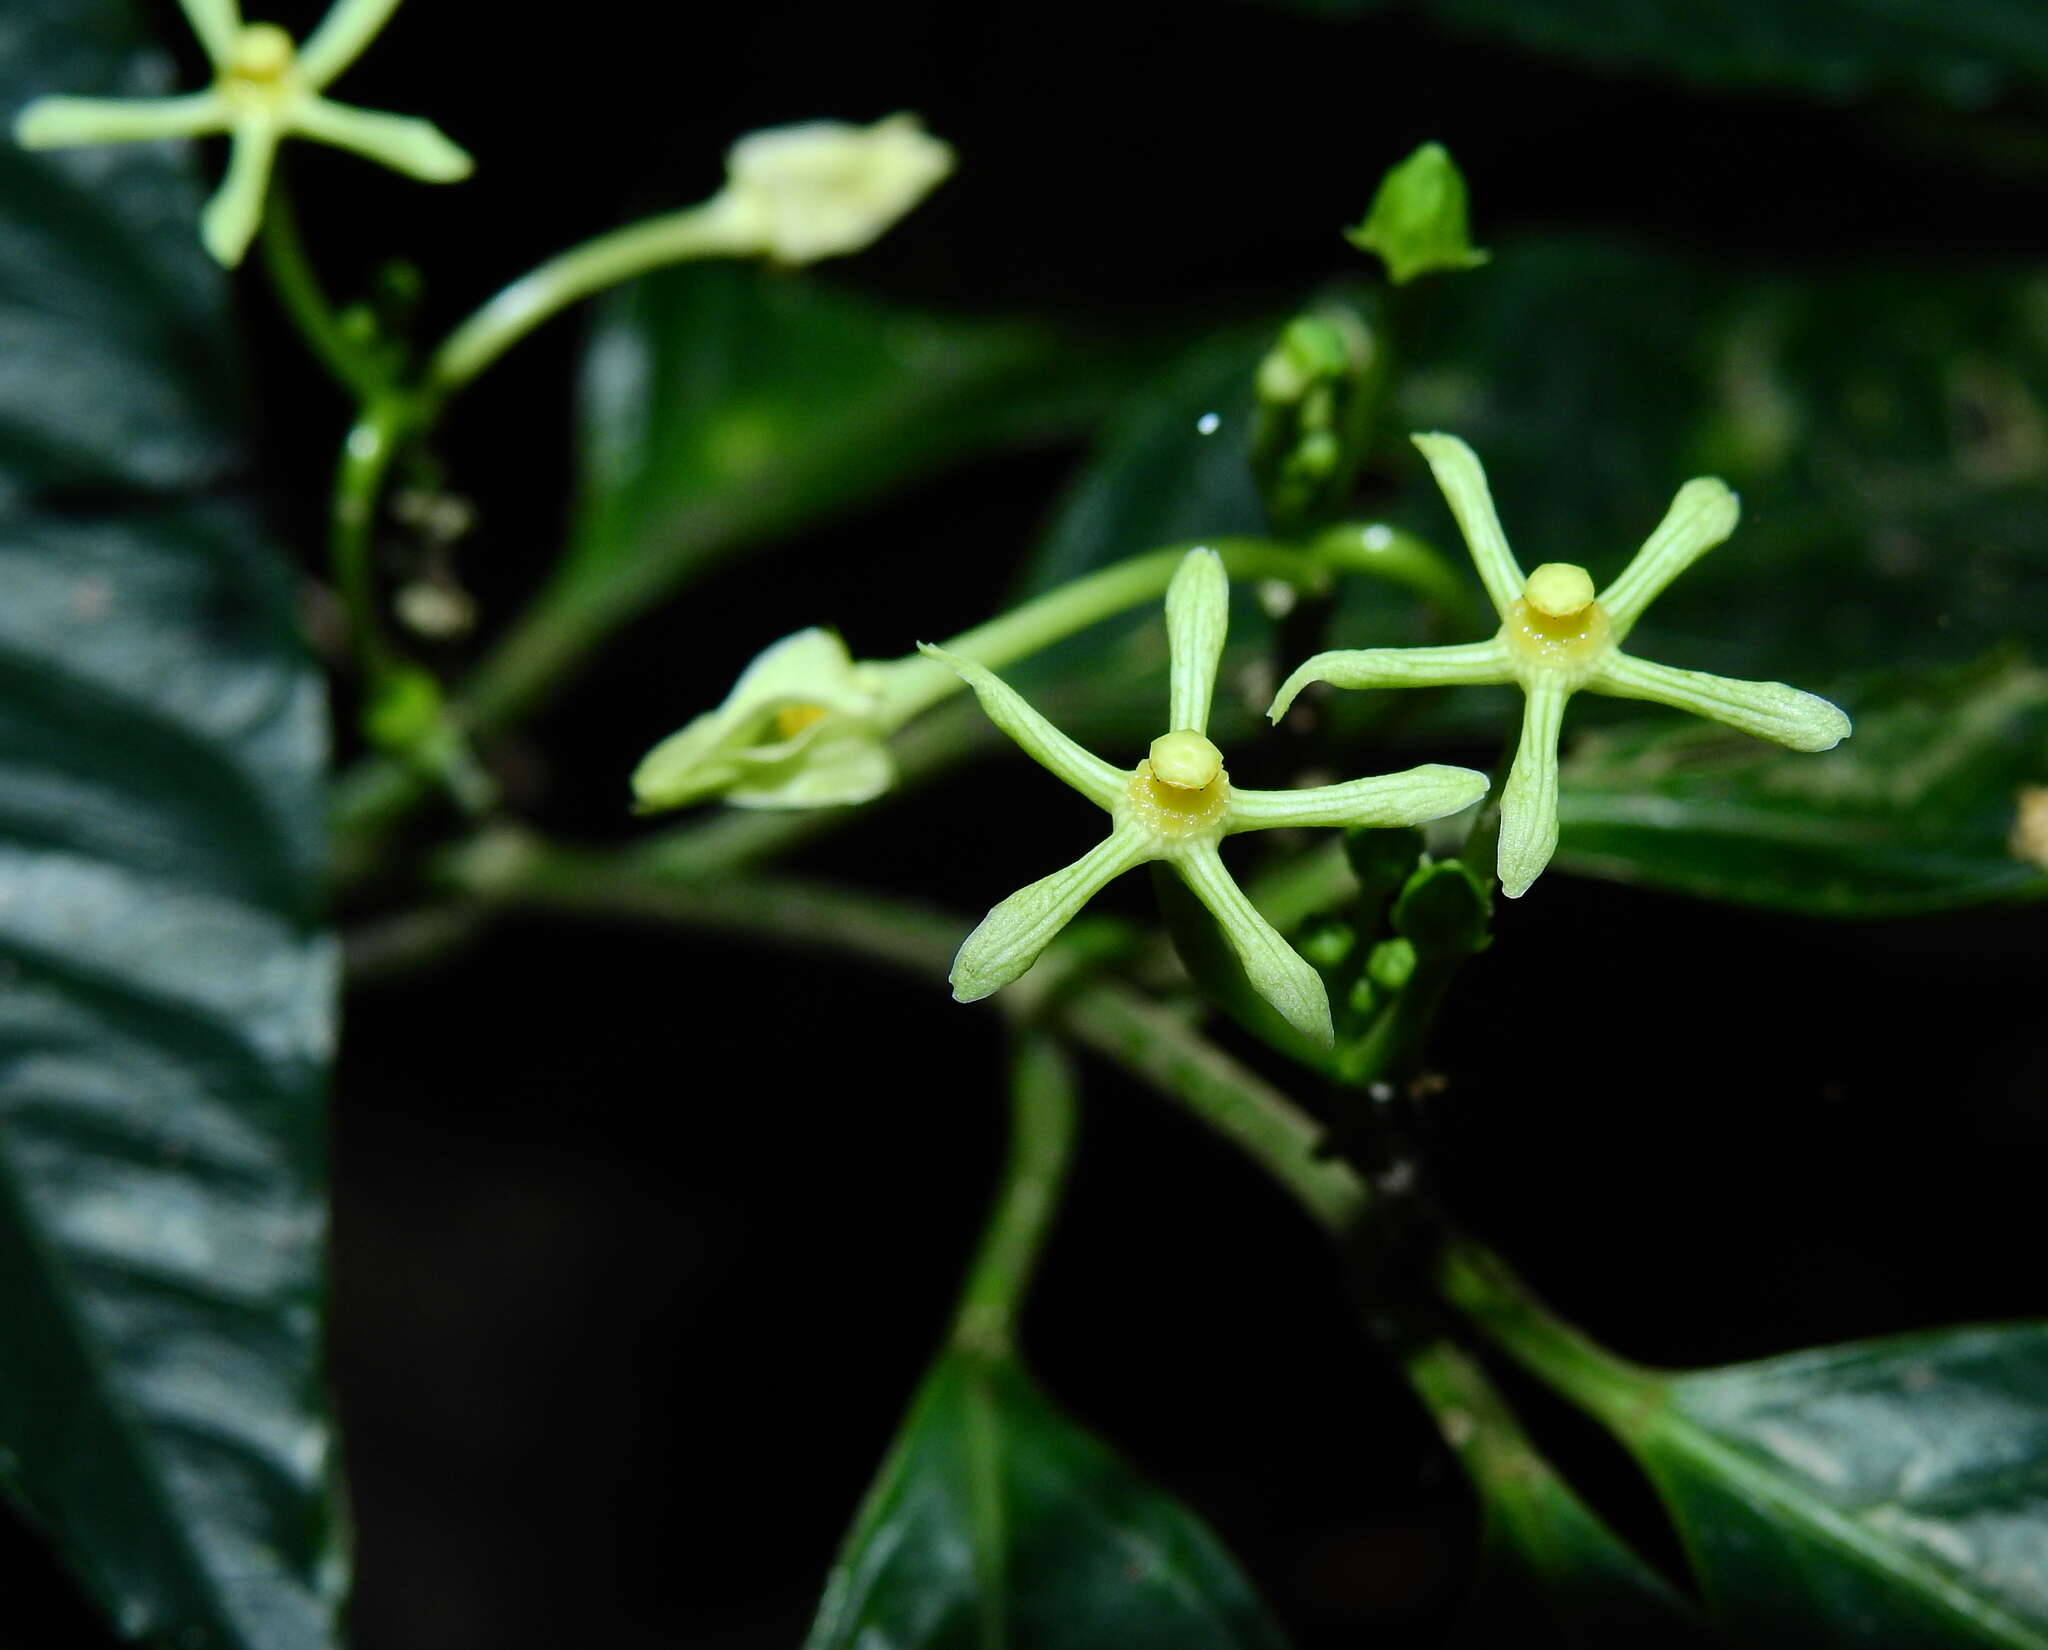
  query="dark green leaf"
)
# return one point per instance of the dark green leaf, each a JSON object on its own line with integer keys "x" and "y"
{"x": 168, "y": 1011}
{"x": 1919, "y": 810}
{"x": 1962, "y": 50}
{"x": 996, "y": 1521}
{"x": 1889, "y": 1494}
{"x": 720, "y": 406}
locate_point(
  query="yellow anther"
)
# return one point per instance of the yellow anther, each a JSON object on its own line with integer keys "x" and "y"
{"x": 791, "y": 720}
{"x": 1559, "y": 589}
{"x": 1185, "y": 760}
{"x": 263, "y": 52}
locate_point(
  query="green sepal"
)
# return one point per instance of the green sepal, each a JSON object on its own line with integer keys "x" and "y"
{"x": 1417, "y": 222}
{"x": 1445, "y": 911}
{"x": 1382, "y": 861}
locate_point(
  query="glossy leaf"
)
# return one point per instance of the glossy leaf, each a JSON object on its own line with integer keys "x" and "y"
{"x": 997, "y": 1522}
{"x": 1889, "y": 1493}
{"x": 1964, "y": 51}
{"x": 168, "y": 1011}
{"x": 1920, "y": 810}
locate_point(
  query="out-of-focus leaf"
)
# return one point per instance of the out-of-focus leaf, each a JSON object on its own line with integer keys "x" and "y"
{"x": 1889, "y": 1493}
{"x": 997, "y": 1521}
{"x": 1961, "y": 50}
{"x": 720, "y": 406}
{"x": 168, "y": 1004}
{"x": 1174, "y": 464}
{"x": 1920, "y": 810}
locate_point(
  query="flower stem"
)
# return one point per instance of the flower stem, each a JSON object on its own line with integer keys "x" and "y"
{"x": 1151, "y": 1042}
{"x": 1480, "y": 1284}
{"x": 366, "y": 459}
{"x": 1042, "y": 1117}
{"x": 568, "y": 278}
{"x": 916, "y": 683}
{"x": 298, "y": 289}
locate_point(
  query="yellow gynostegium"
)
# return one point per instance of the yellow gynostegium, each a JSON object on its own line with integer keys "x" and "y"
{"x": 265, "y": 89}
{"x": 1176, "y": 806}
{"x": 1557, "y": 636}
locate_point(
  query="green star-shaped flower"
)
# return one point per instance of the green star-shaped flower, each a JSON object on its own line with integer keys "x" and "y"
{"x": 265, "y": 89}
{"x": 1557, "y": 636}
{"x": 1176, "y": 806}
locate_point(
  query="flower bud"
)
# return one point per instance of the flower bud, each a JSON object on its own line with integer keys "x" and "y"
{"x": 802, "y": 728}
{"x": 825, "y": 188}
{"x": 1417, "y": 222}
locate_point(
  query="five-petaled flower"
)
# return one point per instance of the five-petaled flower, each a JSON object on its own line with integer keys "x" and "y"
{"x": 1176, "y": 806}
{"x": 1558, "y": 636}
{"x": 265, "y": 89}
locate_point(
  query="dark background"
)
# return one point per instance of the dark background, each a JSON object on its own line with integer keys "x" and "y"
{"x": 642, "y": 1240}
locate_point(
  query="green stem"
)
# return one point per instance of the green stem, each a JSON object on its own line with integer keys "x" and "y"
{"x": 1481, "y": 1285}
{"x": 366, "y": 459}
{"x": 1470, "y": 1413}
{"x": 916, "y": 683}
{"x": 568, "y": 278}
{"x": 1159, "y": 1047}
{"x": 298, "y": 288}
{"x": 1042, "y": 1117}
{"x": 1380, "y": 551}
{"x": 1131, "y": 1030}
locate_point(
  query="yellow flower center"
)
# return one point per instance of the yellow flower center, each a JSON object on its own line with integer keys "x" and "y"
{"x": 791, "y": 720}
{"x": 1557, "y": 624}
{"x": 262, "y": 54}
{"x": 1171, "y": 810}
{"x": 1185, "y": 760}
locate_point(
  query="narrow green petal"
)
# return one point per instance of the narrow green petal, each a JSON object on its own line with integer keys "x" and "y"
{"x": 1010, "y": 938}
{"x": 1397, "y": 667}
{"x": 1463, "y": 481}
{"x": 1768, "y": 710}
{"x": 348, "y": 27}
{"x": 1528, "y": 802}
{"x": 1035, "y": 736}
{"x": 229, "y": 222}
{"x": 1428, "y": 792}
{"x": 216, "y": 23}
{"x": 61, "y": 122}
{"x": 418, "y": 148}
{"x": 1276, "y": 970}
{"x": 1701, "y": 516}
{"x": 1197, "y": 619}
